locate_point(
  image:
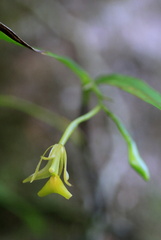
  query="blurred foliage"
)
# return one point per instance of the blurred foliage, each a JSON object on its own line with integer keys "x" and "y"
{"x": 117, "y": 37}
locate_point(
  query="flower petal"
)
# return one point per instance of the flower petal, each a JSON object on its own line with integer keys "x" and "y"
{"x": 65, "y": 174}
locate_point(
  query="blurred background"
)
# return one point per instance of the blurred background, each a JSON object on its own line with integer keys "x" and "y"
{"x": 110, "y": 201}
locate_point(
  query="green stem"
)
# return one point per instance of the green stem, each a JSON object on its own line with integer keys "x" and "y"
{"x": 74, "y": 124}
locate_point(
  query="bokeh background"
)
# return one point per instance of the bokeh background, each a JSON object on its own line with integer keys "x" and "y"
{"x": 110, "y": 201}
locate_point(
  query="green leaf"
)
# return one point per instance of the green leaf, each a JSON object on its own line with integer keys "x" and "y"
{"x": 7, "y": 39}
{"x": 134, "y": 157}
{"x": 133, "y": 86}
{"x": 83, "y": 75}
{"x": 8, "y": 35}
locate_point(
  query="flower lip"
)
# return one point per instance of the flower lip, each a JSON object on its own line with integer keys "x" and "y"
{"x": 54, "y": 185}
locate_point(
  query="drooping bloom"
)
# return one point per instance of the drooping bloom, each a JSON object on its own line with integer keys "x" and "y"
{"x": 56, "y": 166}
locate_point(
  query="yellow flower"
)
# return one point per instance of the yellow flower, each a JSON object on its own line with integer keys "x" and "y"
{"x": 57, "y": 164}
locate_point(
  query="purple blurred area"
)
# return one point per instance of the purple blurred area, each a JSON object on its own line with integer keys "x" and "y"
{"x": 110, "y": 201}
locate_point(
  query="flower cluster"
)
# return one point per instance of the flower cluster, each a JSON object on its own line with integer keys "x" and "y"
{"x": 56, "y": 166}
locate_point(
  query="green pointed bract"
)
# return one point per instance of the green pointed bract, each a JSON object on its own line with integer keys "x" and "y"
{"x": 57, "y": 163}
{"x": 136, "y": 161}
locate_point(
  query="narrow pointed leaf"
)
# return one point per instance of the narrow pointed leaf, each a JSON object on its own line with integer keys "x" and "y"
{"x": 135, "y": 159}
{"x": 8, "y": 35}
{"x": 83, "y": 75}
{"x": 133, "y": 86}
